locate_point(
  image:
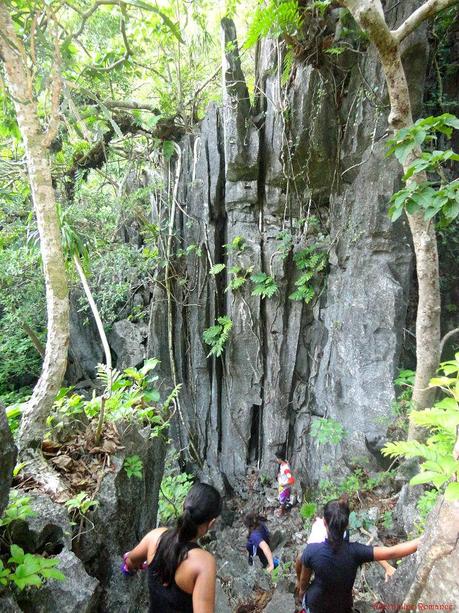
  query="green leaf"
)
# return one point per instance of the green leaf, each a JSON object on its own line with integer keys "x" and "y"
{"x": 17, "y": 554}
{"x": 52, "y": 573}
{"x": 452, "y": 489}
{"x": 168, "y": 149}
{"x": 217, "y": 268}
{"x": 152, "y": 396}
{"x": 426, "y": 476}
{"x": 149, "y": 365}
{"x": 167, "y": 21}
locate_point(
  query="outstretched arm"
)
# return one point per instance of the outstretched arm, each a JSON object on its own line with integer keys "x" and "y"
{"x": 397, "y": 551}
{"x": 140, "y": 554}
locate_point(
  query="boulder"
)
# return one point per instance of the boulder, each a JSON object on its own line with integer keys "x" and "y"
{"x": 280, "y": 603}
{"x": 48, "y": 531}
{"x": 128, "y": 341}
{"x": 8, "y": 604}
{"x": 221, "y": 600}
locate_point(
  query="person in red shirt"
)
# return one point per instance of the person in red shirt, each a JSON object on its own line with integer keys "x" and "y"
{"x": 285, "y": 480}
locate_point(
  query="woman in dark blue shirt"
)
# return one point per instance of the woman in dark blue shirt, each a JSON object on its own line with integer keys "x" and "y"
{"x": 335, "y": 563}
{"x": 258, "y": 540}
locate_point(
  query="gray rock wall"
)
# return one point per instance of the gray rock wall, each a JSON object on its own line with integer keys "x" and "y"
{"x": 7, "y": 459}
{"x": 429, "y": 577}
{"x": 257, "y": 172}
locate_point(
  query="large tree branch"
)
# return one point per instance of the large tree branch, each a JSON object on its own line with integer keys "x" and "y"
{"x": 369, "y": 15}
{"x": 56, "y": 90}
{"x": 428, "y": 9}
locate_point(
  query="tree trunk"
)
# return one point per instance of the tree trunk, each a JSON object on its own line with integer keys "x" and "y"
{"x": 369, "y": 15}
{"x": 20, "y": 85}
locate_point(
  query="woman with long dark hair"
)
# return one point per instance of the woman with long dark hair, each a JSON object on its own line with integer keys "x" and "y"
{"x": 181, "y": 575}
{"x": 335, "y": 563}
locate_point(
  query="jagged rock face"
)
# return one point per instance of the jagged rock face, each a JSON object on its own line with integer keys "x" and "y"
{"x": 7, "y": 459}
{"x": 126, "y": 511}
{"x": 430, "y": 576}
{"x": 85, "y": 350}
{"x": 79, "y": 593}
{"x": 249, "y": 177}
{"x": 127, "y": 339}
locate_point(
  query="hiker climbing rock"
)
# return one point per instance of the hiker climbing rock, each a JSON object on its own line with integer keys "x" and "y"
{"x": 335, "y": 561}
{"x": 258, "y": 541}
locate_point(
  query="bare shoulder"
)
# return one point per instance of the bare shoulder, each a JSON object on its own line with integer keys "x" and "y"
{"x": 153, "y": 535}
{"x": 152, "y": 539}
{"x": 202, "y": 560}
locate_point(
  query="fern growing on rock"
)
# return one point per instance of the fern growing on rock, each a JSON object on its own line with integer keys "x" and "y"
{"x": 217, "y": 336}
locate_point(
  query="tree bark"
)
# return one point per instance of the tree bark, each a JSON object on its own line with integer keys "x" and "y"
{"x": 20, "y": 85}
{"x": 369, "y": 15}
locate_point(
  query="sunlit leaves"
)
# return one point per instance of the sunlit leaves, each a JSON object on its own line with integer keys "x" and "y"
{"x": 425, "y": 196}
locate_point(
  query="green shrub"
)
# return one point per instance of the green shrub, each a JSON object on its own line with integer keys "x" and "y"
{"x": 438, "y": 466}
{"x": 308, "y": 510}
{"x": 133, "y": 466}
{"x": 327, "y": 430}
{"x": 172, "y": 494}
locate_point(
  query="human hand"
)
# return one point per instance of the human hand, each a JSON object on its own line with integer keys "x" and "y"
{"x": 270, "y": 568}
{"x": 390, "y": 570}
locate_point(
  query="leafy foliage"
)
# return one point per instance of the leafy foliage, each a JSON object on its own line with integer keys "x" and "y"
{"x": 424, "y": 505}
{"x": 438, "y": 466}
{"x": 425, "y": 195}
{"x": 216, "y": 269}
{"x": 310, "y": 262}
{"x": 133, "y": 466}
{"x": 80, "y": 504}
{"x": 239, "y": 277}
{"x": 18, "y": 508}
{"x": 23, "y": 569}
{"x": 327, "y": 430}
{"x": 273, "y": 19}
{"x": 264, "y": 285}
{"x": 134, "y": 397}
{"x": 27, "y": 569}
{"x": 308, "y": 510}
{"x": 237, "y": 245}
{"x": 173, "y": 491}
{"x": 217, "y": 336}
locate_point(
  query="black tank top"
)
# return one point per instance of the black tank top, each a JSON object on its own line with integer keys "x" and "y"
{"x": 168, "y": 599}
